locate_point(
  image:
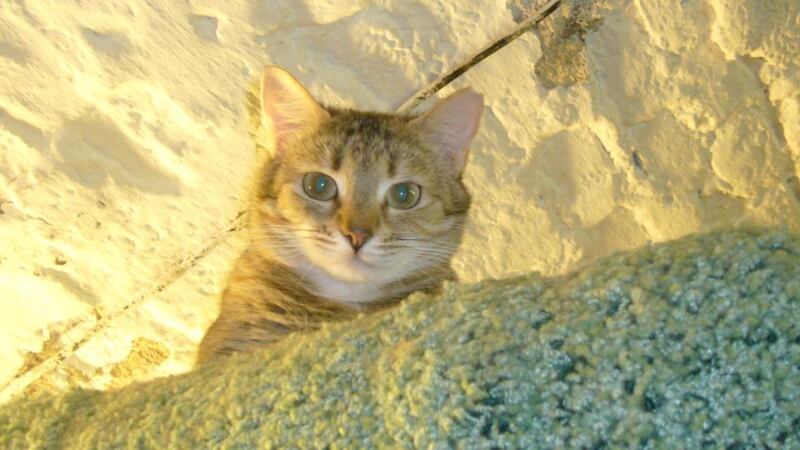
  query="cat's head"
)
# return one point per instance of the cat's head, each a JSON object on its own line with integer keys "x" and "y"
{"x": 359, "y": 197}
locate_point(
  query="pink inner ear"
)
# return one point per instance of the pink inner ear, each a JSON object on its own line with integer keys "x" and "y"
{"x": 452, "y": 124}
{"x": 287, "y": 105}
{"x": 282, "y": 115}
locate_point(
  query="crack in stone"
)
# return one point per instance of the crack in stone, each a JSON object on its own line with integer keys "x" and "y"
{"x": 794, "y": 185}
{"x": 54, "y": 359}
{"x": 754, "y": 64}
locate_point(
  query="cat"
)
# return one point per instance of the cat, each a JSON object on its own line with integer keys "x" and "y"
{"x": 352, "y": 212}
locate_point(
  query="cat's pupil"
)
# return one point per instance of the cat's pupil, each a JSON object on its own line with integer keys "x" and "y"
{"x": 402, "y": 193}
{"x": 320, "y": 184}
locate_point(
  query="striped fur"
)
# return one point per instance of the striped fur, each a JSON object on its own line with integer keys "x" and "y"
{"x": 299, "y": 269}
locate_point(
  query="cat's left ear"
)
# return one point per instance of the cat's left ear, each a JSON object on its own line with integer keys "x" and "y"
{"x": 289, "y": 108}
{"x": 451, "y": 124}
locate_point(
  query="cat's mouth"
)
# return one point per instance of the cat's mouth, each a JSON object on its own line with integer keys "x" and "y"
{"x": 337, "y": 258}
{"x": 359, "y": 260}
{"x": 352, "y": 267}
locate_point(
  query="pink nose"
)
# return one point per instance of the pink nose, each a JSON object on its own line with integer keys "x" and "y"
{"x": 357, "y": 236}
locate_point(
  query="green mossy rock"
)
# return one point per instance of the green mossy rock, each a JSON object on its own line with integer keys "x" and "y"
{"x": 687, "y": 344}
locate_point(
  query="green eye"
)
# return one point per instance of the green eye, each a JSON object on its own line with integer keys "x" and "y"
{"x": 319, "y": 186}
{"x": 403, "y": 195}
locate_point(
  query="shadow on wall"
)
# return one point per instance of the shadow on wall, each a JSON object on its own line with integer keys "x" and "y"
{"x": 94, "y": 150}
{"x": 382, "y": 36}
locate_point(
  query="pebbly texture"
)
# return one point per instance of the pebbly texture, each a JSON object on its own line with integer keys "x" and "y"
{"x": 686, "y": 344}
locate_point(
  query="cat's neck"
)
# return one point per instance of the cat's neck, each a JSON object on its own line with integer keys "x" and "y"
{"x": 325, "y": 286}
{"x": 360, "y": 294}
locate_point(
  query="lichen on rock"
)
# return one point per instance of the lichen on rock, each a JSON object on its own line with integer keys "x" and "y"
{"x": 563, "y": 39}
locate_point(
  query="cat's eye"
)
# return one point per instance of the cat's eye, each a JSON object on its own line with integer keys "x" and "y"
{"x": 403, "y": 195}
{"x": 319, "y": 186}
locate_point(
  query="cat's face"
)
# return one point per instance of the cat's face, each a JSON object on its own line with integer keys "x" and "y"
{"x": 364, "y": 197}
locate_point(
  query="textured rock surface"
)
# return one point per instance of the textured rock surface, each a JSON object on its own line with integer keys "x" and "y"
{"x": 679, "y": 128}
{"x": 694, "y": 343}
{"x": 123, "y": 146}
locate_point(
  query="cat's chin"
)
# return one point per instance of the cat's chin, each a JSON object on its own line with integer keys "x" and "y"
{"x": 352, "y": 267}
{"x": 342, "y": 265}
{"x": 345, "y": 279}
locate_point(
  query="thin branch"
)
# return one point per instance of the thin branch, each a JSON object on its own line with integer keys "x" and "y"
{"x": 531, "y": 22}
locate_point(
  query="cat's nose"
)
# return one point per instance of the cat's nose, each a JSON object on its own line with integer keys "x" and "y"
{"x": 357, "y": 236}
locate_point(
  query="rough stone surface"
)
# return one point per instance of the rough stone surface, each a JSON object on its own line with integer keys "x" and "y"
{"x": 563, "y": 38}
{"x": 124, "y": 148}
{"x": 689, "y": 344}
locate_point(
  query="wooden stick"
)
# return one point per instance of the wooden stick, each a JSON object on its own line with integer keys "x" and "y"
{"x": 531, "y": 22}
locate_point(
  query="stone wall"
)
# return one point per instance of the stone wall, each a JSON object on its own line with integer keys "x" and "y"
{"x": 123, "y": 147}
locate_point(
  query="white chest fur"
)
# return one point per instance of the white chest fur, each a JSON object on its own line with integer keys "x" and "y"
{"x": 352, "y": 293}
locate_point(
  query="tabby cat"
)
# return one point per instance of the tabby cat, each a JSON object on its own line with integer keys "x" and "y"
{"x": 353, "y": 211}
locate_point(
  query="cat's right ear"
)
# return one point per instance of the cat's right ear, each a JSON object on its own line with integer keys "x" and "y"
{"x": 450, "y": 126}
{"x": 287, "y": 106}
